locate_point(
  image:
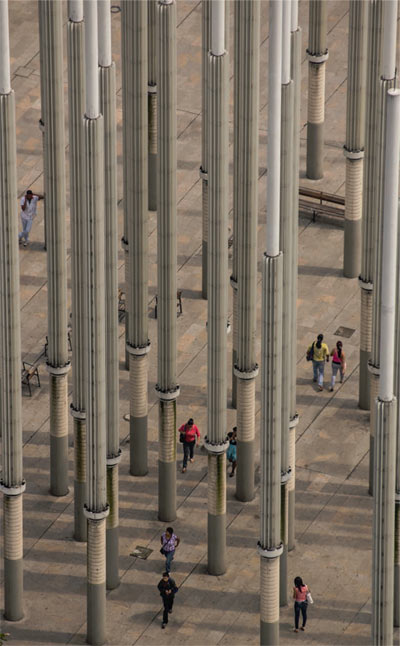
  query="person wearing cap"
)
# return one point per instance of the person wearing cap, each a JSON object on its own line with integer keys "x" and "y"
{"x": 189, "y": 436}
{"x": 318, "y": 352}
{"x": 28, "y": 213}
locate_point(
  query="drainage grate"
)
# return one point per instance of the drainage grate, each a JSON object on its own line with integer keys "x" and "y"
{"x": 141, "y": 552}
{"x": 347, "y": 332}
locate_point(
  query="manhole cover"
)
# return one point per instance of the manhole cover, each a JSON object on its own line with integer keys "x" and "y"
{"x": 347, "y": 332}
{"x": 141, "y": 552}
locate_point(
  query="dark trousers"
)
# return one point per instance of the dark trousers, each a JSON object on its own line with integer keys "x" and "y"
{"x": 188, "y": 449}
{"x": 168, "y": 603}
{"x": 300, "y": 605}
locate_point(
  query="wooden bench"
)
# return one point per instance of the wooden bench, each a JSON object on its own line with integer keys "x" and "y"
{"x": 178, "y": 303}
{"x": 321, "y": 203}
{"x": 30, "y": 370}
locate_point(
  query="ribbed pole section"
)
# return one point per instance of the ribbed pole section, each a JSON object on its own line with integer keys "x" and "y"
{"x": 51, "y": 77}
{"x": 76, "y": 102}
{"x": 12, "y": 484}
{"x": 374, "y": 46}
{"x": 295, "y": 55}
{"x": 138, "y": 343}
{"x": 127, "y": 109}
{"x": 247, "y": 43}
{"x": 270, "y": 545}
{"x": 383, "y": 85}
{"x": 108, "y": 110}
{"x": 205, "y": 48}
{"x": 317, "y": 53}
{"x": 152, "y": 102}
{"x": 286, "y": 241}
{"x": 96, "y": 508}
{"x": 355, "y": 134}
{"x": 167, "y": 389}
{"x": 217, "y": 290}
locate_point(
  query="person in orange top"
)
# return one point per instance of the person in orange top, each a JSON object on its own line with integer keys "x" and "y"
{"x": 300, "y": 592}
{"x": 189, "y": 436}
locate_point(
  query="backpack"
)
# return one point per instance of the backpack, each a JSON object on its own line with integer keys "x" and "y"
{"x": 310, "y": 353}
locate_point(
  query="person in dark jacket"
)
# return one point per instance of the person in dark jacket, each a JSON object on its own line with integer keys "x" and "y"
{"x": 167, "y": 590}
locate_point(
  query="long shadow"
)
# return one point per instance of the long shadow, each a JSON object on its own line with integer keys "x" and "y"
{"x": 310, "y": 270}
{"x": 42, "y": 637}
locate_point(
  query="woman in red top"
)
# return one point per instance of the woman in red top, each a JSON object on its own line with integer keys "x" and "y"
{"x": 300, "y": 591}
{"x": 338, "y": 363}
{"x": 190, "y": 435}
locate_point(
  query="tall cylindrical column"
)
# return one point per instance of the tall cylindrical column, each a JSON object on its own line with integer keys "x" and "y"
{"x": 167, "y": 389}
{"x": 12, "y": 484}
{"x": 76, "y": 103}
{"x": 96, "y": 508}
{"x": 386, "y": 81}
{"x": 295, "y": 61}
{"x": 126, "y": 38}
{"x": 317, "y": 53}
{"x": 386, "y": 403}
{"x": 52, "y": 90}
{"x": 270, "y": 545}
{"x": 205, "y": 48}
{"x": 396, "y": 613}
{"x": 108, "y": 110}
{"x": 355, "y": 133}
{"x": 152, "y": 103}
{"x": 138, "y": 345}
{"x": 247, "y": 44}
{"x": 217, "y": 288}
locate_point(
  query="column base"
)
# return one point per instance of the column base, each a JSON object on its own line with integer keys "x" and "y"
{"x": 283, "y": 596}
{"x": 352, "y": 248}
{"x": 152, "y": 168}
{"x": 112, "y": 558}
{"x": 166, "y": 491}
{"x": 96, "y": 614}
{"x": 245, "y": 471}
{"x": 59, "y": 465}
{"x": 371, "y": 465}
{"x": 13, "y": 589}
{"x": 315, "y": 148}
{"x": 396, "y": 616}
{"x": 204, "y": 252}
{"x": 364, "y": 397}
{"x": 216, "y": 537}
{"x": 138, "y": 446}
{"x": 269, "y": 633}
{"x": 80, "y": 526}
{"x": 234, "y": 378}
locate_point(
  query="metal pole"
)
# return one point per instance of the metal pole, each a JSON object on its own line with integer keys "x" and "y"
{"x": 396, "y": 613}
{"x": 96, "y": 508}
{"x": 215, "y": 442}
{"x": 108, "y": 110}
{"x": 167, "y": 388}
{"x": 296, "y": 53}
{"x": 355, "y": 133}
{"x": 152, "y": 103}
{"x": 385, "y": 81}
{"x": 126, "y": 39}
{"x": 138, "y": 343}
{"x": 76, "y": 101}
{"x": 247, "y": 59}
{"x": 386, "y": 403}
{"x": 317, "y": 53}
{"x": 58, "y": 365}
{"x": 12, "y": 484}
{"x": 270, "y": 546}
{"x": 205, "y": 48}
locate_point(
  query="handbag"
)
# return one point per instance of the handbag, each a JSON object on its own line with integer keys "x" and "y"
{"x": 310, "y": 353}
{"x": 309, "y": 598}
{"x": 182, "y": 436}
{"x": 162, "y": 551}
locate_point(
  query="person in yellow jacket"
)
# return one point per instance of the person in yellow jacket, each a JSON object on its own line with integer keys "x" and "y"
{"x": 318, "y": 353}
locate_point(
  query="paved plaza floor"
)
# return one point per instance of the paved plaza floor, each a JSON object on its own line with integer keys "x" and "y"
{"x": 333, "y": 508}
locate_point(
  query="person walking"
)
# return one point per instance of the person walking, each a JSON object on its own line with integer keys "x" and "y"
{"x": 169, "y": 543}
{"x": 318, "y": 352}
{"x": 168, "y": 589}
{"x": 28, "y": 213}
{"x": 189, "y": 435}
{"x": 300, "y": 592}
{"x": 338, "y": 364}
{"x": 231, "y": 454}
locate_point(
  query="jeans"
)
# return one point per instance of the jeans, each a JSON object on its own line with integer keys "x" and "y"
{"x": 26, "y": 227}
{"x": 318, "y": 367}
{"x": 188, "y": 448}
{"x": 300, "y": 605}
{"x": 335, "y": 368}
{"x": 169, "y": 557}
{"x": 168, "y": 601}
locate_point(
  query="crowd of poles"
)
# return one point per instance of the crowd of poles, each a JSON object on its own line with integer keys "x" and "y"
{"x": 149, "y": 81}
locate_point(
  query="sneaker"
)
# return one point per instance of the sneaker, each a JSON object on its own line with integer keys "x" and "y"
{"x": 170, "y": 613}
{"x": 184, "y": 470}
{"x": 163, "y": 625}
{"x": 231, "y": 475}
{"x": 192, "y": 460}
{"x": 302, "y": 628}
{"x": 296, "y": 630}
{"x": 320, "y": 388}
{"x": 331, "y": 390}
{"x": 25, "y": 243}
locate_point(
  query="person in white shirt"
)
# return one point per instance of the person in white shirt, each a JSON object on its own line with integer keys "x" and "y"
{"x": 28, "y": 212}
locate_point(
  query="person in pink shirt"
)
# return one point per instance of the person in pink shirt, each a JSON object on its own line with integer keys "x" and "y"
{"x": 300, "y": 592}
{"x": 189, "y": 435}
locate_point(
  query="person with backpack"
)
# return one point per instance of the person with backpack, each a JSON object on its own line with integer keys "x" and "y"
{"x": 338, "y": 364}
{"x": 189, "y": 436}
{"x": 167, "y": 589}
{"x": 318, "y": 352}
{"x": 301, "y": 596}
